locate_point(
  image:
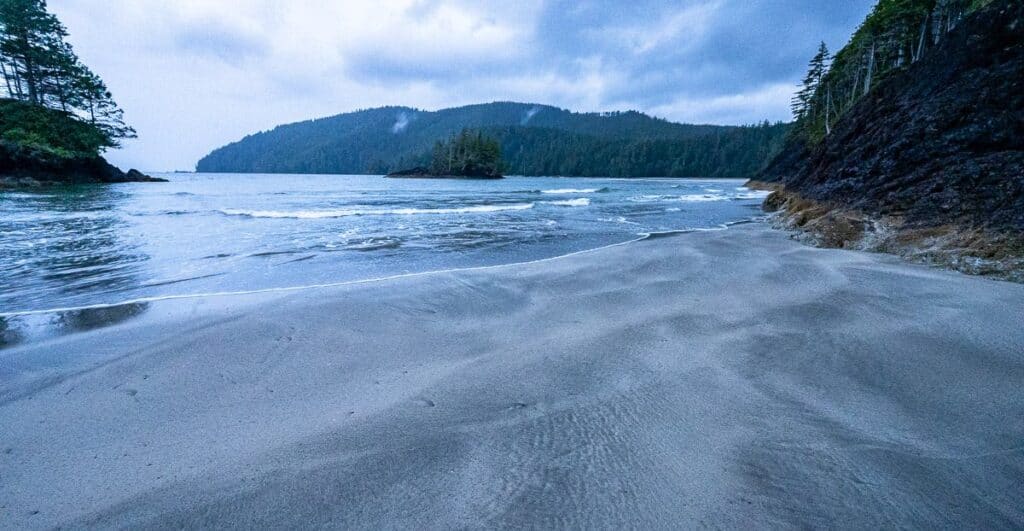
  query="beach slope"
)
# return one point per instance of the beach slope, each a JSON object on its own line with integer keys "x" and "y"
{"x": 727, "y": 379}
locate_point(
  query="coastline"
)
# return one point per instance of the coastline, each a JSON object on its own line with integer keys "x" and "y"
{"x": 449, "y": 177}
{"x": 954, "y": 246}
{"x": 727, "y": 377}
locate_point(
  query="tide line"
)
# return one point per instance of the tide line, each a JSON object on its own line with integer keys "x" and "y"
{"x": 145, "y": 300}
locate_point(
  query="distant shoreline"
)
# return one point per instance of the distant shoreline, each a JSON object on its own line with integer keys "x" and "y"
{"x": 454, "y": 177}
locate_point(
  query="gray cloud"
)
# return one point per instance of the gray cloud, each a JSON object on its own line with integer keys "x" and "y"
{"x": 224, "y": 43}
{"x": 253, "y": 64}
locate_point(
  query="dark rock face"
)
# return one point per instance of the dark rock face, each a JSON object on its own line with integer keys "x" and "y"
{"x": 20, "y": 166}
{"x": 940, "y": 143}
{"x": 136, "y": 176}
{"x": 414, "y": 172}
{"x": 424, "y": 173}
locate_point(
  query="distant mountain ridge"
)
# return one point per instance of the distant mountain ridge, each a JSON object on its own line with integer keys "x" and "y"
{"x": 535, "y": 140}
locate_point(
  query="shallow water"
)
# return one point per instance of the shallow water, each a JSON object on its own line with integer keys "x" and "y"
{"x": 203, "y": 233}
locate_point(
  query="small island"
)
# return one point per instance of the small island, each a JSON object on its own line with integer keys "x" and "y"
{"x": 467, "y": 155}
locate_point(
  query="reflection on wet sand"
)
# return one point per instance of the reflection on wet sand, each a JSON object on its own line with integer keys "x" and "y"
{"x": 20, "y": 329}
{"x": 93, "y": 318}
{"x": 9, "y": 333}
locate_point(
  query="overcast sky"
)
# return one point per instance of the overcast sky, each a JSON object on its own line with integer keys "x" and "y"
{"x": 195, "y": 74}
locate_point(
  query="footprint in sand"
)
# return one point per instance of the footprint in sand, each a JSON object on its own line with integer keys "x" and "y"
{"x": 424, "y": 402}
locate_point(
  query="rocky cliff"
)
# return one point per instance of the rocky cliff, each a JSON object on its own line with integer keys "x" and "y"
{"x": 24, "y": 166}
{"x": 930, "y": 163}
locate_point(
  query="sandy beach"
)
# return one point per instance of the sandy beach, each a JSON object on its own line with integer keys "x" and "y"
{"x": 715, "y": 379}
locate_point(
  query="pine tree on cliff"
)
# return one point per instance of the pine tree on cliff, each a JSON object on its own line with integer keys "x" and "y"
{"x": 896, "y": 34}
{"x": 40, "y": 68}
{"x": 805, "y": 103}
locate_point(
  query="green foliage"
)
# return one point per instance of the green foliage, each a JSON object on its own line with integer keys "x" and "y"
{"x": 533, "y": 139}
{"x": 468, "y": 153}
{"x": 729, "y": 152}
{"x": 41, "y": 69}
{"x": 49, "y": 130}
{"x": 896, "y": 34}
{"x": 804, "y": 102}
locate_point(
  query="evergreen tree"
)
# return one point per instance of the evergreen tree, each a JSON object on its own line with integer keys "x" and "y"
{"x": 896, "y": 34}
{"x": 805, "y": 99}
{"x": 467, "y": 153}
{"x": 40, "y": 68}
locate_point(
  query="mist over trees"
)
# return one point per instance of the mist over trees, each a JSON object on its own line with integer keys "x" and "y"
{"x": 42, "y": 73}
{"x": 896, "y": 34}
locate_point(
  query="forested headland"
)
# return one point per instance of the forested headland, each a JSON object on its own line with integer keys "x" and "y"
{"x": 56, "y": 115}
{"x": 533, "y": 139}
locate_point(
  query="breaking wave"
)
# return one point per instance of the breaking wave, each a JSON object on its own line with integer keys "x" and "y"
{"x": 581, "y": 202}
{"x": 563, "y": 191}
{"x": 323, "y": 214}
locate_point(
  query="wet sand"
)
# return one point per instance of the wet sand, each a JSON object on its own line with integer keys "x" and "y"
{"x": 723, "y": 379}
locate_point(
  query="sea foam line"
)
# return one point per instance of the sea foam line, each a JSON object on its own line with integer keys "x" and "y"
{"x": 643, "y": 236}
{"x": 563, "y": 191}
{"x": 581, "y": 202}
{"x": 323, "y": 214}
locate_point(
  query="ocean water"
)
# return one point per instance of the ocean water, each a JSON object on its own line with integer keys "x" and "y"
{"x": 202, "y": 233}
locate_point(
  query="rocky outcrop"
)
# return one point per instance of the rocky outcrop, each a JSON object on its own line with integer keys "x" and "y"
{"x": 972, "y": 250}
{"x": 136, "y": 176}
{"x": 424, "y": 173}
{"x": 22, "y": 166}
{"x": 933, "y": 156}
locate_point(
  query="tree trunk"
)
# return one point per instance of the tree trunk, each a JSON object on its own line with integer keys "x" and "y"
{"x": 828, "y": 112}
{"x": 856, "y": 84}
{"x": 871, "y": 69}
{"x": 920, "y": 43}
{"x": 17, "y": 83}
{"x": 7, "y": 79}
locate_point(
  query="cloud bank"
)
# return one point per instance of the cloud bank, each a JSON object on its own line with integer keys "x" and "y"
{"x": 194, "y": 74}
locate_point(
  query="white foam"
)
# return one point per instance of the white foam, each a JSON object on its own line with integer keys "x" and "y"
{"x": 619, "y": 219}
{"x": 690, "y": 198}
{"x": 702, "y": 198}
{"x": 322, "y": 214}
{"x": 562, "y": 191}
{"x": 754, "y": 194}
{"x": 650, "y": 198}
{"x": 579, "y": 202}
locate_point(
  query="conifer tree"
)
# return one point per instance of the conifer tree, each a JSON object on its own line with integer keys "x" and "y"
{"x": 40, "y": 68}
{"x": 804, "y": 102}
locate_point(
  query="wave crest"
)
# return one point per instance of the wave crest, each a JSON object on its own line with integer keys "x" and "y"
{"x": 564, "y": 191}
{"x": 579, "y": 202}
{"x": 324, "y": 214}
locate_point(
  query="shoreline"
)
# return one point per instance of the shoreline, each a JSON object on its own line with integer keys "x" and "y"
{"x": 955, "y": 247}
{"x": 630, "y": 386}
{"x": 306, "y": 287}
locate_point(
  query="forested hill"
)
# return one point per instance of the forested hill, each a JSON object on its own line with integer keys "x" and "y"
{"x": 924, "y": 153}
{"x": 535, "y": 140}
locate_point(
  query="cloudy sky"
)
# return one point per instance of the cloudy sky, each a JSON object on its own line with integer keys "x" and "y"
{"x": 195, "y": 74}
